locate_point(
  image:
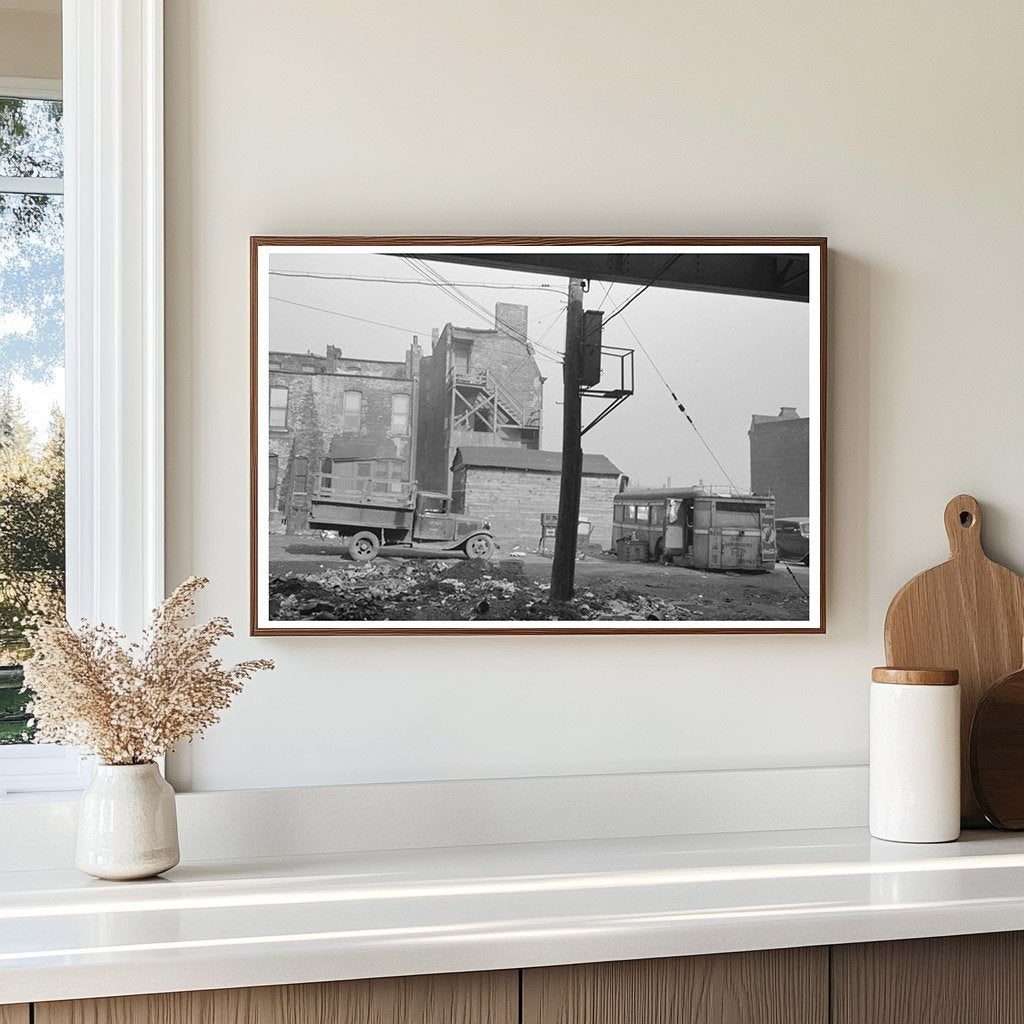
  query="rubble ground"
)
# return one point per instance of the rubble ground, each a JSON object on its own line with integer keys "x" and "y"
{"x": 399, "y": 589}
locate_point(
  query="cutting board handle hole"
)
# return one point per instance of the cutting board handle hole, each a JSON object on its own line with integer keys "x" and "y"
{"x": 966, "y": 518}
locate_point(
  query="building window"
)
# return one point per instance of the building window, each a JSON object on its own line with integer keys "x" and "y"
{"x": 379, "y": 476}
{"x": 352, "y": 412}
{"x": 272, "y": 478}
{"x": 299, "y": 474}
{"x": 400, "y": 405}
{"x": 278, "y": 408}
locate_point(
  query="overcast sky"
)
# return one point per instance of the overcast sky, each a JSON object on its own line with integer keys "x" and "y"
{"x": 725, "y": 356}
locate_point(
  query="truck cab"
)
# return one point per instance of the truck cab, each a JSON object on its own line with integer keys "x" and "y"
{"x": 435, "y": 521}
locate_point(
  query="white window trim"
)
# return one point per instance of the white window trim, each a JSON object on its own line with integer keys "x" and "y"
{"x": 114, "y": 322}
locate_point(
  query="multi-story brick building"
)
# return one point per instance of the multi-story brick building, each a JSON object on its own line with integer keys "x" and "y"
{"x": 479, "y": 388}
{"x": 780, "y": 460}
{"x": 512, "y": 488}
{"x": 344, "y": 423}
{"x": 372, "y": 425}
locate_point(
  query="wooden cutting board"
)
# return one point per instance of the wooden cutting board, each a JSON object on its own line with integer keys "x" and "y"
{"x": 997, "y": 752}
{"x": 967, "y": 614}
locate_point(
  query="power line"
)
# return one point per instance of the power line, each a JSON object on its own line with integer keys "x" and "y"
{"x": 409, "y": 280}
{"x": 679, "y": 404}
{"x": 636, "y": 295}
{"x": 349, "y": 316}
{"x": 604, "y": 298}
{"x": 471, "y": 305}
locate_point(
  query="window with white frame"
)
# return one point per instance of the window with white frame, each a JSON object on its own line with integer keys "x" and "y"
{"x": 32, "y": 530}
{"x": 113, "y": 317}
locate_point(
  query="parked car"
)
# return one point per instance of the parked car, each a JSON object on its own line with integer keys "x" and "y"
{"x": 793, "y": 539}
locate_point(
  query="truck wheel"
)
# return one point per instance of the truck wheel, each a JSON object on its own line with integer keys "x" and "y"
{"x": 363, "y": 547}
{"x": 479, "y": 546}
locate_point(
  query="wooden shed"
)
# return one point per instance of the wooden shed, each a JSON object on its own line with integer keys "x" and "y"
{"x": 513, "y": 487}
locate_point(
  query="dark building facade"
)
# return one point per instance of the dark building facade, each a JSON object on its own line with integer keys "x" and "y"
{"x": 339, "y": 423}
{"x": 511, "y": 488}
{"x": 479, "y": 388}
{"x": 780, "y": 460}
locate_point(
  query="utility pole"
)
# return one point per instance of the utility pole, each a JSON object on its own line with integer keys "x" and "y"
{"x": 563, "y": 566}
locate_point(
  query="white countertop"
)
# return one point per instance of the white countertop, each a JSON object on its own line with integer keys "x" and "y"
{"x": 357, "y": 915}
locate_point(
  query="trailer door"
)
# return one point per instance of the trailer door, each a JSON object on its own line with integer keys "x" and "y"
{"x": 715, "y": 547}
{"x": 768, "y": 551}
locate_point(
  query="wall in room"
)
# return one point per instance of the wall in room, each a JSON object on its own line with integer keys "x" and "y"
{"x": 30, "y": 43}
{"x": 894, "y": 129}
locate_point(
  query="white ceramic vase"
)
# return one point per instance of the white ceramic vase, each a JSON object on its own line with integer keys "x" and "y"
{"x": 127, "y": 825}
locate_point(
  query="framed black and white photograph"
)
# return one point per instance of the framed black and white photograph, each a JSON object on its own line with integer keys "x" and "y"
{"x": 537, "y": 435}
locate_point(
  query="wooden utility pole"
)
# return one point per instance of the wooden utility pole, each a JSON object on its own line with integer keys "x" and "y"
{"x": 563, "y": 566}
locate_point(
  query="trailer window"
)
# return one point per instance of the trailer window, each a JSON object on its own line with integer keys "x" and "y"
{"x": 617, "y": 513}
{"x": 658, "y": 515}
{"x": 629, "y": 514}
{"x": 643, "y": 513}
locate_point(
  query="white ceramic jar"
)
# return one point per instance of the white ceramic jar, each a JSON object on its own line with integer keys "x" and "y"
{"x": 127, "y": 823}
{"x": 915, "y": 755}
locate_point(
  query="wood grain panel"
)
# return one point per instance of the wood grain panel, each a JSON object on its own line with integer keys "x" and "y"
{"x": 14, "y": 1014}
{"x": 483, "y": 998}
{"x": 961, "y": 979}
{"x": 967, "y": 614}
{"x": 778, "y": 986}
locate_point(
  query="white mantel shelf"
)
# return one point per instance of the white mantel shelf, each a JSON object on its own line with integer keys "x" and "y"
{"x": 226, "y": 924}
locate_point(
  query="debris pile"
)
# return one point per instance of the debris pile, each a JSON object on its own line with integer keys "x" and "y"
{"x": 420, "y": 590}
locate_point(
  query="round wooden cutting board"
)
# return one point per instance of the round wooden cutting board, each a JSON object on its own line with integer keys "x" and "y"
{"x": 997, "y": 752}
{"x": 967, "y": 614}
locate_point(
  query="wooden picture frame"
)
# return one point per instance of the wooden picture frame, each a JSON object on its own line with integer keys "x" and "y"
{"x": 358, "y": 469}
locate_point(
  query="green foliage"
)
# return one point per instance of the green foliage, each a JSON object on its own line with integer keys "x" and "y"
{"x": 31, "y": 524}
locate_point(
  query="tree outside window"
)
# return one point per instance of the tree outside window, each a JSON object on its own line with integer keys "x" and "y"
{"x": 32, "y": 543}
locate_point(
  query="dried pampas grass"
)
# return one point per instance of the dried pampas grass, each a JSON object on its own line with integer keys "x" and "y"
{"x": 130, "y": 703}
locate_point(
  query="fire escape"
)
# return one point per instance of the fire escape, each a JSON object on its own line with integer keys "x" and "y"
{"x": 481, "y": 403}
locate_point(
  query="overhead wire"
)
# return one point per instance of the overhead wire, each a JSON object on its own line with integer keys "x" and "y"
{"x": 477, "y": 309}
{"x": 348, "y": 316}
{"x": 322, "y": 276}
{"x": 677, "y": 401}
{"x": 636, "y": 295}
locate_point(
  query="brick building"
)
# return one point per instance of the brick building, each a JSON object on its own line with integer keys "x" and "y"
{"x": 372, "y": 426}
{"x": 511, "y": 487}
{"x": 480, "y": 388}
{"x": 780, "y": 460}
{"x": 351, "y": 419}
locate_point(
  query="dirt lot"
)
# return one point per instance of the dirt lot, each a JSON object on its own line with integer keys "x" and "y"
{"x": 314, "y": 580}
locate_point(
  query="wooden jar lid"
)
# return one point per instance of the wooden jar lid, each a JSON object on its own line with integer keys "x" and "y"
{"x": 916, "y": 676}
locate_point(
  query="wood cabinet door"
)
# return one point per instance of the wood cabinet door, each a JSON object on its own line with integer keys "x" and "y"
{"x": 482, "y": 998}
{"x": 960, "y": 979}
{"x": 14, "y": 1014}
{"x": 777, "y": 986}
